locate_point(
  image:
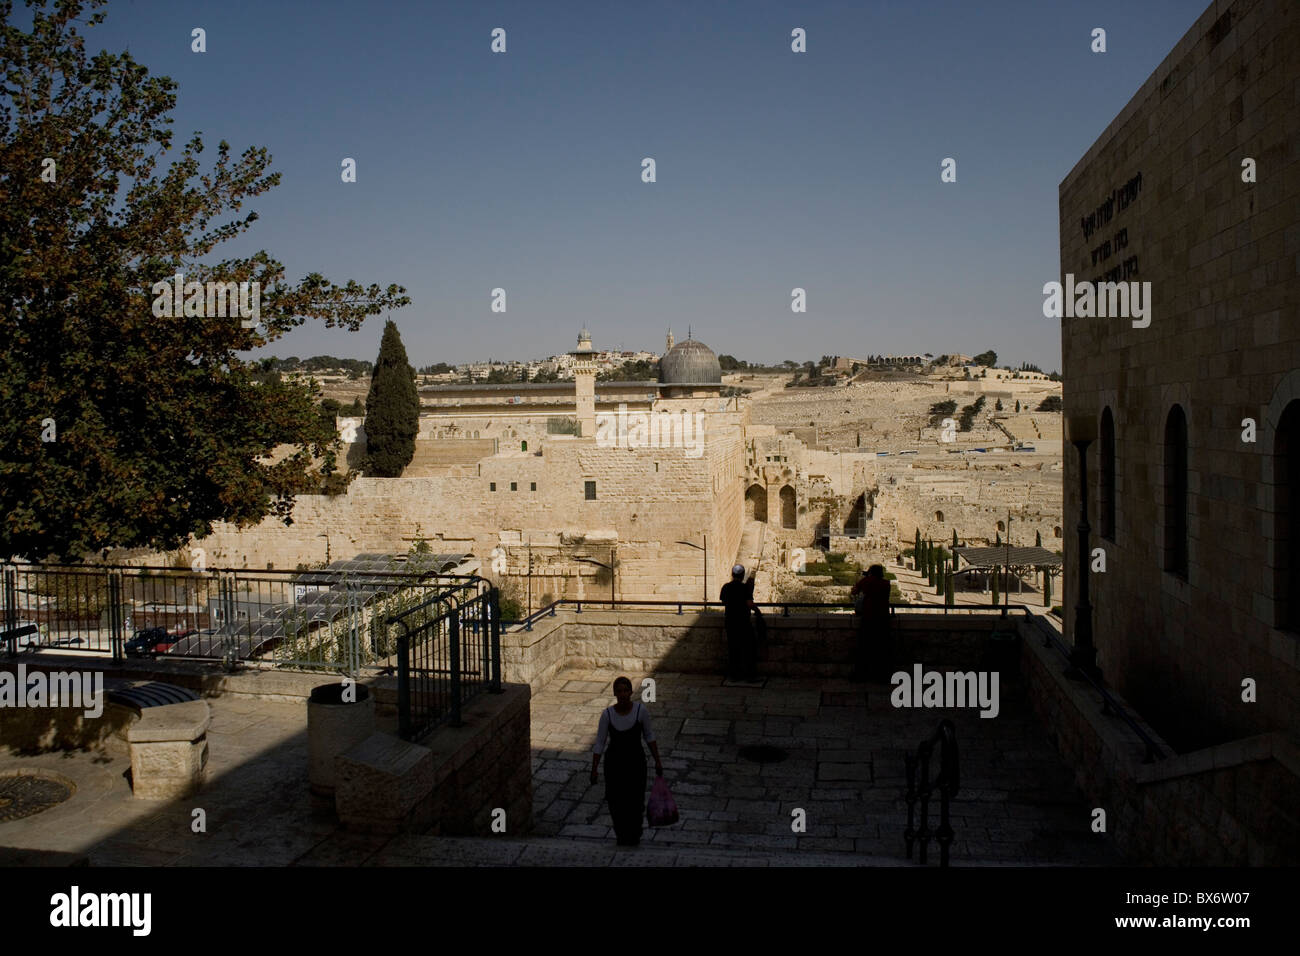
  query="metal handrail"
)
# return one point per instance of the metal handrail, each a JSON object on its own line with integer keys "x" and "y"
{"x": 1108, "y": 703}
{"x": 947, "y": 783}
{"x": 836, "y": 607}
{"x": 451, "y": 597}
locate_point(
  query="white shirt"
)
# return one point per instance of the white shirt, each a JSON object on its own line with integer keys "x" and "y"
{"x": 622, "y": 722}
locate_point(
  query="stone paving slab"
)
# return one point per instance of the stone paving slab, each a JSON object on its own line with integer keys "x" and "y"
{"x": 845, "y": 745}
{"x": 538, "y": 851}
{"x": 256, "y": 805}
{"x": 843, "y": 768}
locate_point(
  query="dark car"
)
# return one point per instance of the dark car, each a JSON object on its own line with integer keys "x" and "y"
{"x": 149, "y": 642}
{"x": 176, "y": 637}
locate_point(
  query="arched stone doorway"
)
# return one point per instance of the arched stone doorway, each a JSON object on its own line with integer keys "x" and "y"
{"x": 788, "y": 516}
{"x": 756, "y": 503}
{"x": 855, "y": 525}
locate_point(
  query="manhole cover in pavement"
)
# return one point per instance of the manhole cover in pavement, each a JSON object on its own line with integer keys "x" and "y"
{"x": 26, "y": 794}
{"x": 763, "y": 753}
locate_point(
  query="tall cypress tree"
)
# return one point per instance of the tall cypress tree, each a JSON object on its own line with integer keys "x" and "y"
{"x": 392, "y": 409}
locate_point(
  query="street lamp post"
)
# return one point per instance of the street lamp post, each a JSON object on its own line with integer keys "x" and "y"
{"x": 1081, "y": 431}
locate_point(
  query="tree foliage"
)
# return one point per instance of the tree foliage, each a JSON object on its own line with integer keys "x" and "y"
{"x": 118, "y": 428}
{"x": 941, "y": 410}
{"x": 392, "y": 409}
{"x": 638, "y": 371}
{"x": 968, "y": 413}
{"x": 989, "y": 358}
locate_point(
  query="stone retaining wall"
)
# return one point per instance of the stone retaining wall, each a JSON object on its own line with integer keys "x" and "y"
{"x": 803, "y": 645}
{"x": 1229, "y": 805}
{"x": 452, "y": 782}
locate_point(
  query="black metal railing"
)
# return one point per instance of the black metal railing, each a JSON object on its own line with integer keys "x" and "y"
{"x": 448, "y": 652}
{"x": 946, "y": 782}
{"x": 325, "y": 618}
{"x": 823, "y": 607}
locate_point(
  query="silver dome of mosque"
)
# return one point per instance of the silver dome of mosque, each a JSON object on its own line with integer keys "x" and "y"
{"x": 690, "y": 363}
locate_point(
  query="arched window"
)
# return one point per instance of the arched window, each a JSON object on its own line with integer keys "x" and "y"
{"x": 1106, "y": 484}
{"x": 1056, "y": 531}
{"x": 1175, "y": 484}
{"x": 523, "y": 446}
{"x": 788, "y": 507}
{"x": 1002, "y": 526}
{"x": 938, "y": 516}
{"x": 1286, "y": 517}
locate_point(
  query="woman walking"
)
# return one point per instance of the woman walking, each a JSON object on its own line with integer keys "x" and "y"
{"x": 619, "y": 738}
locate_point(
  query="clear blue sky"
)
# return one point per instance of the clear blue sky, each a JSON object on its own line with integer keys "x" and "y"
{"x": 775, "y": 169}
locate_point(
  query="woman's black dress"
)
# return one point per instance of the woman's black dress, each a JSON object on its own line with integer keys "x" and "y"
{"x": 625, "y": 773}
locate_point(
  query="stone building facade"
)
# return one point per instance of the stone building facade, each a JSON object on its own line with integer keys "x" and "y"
{"x": 622, "y": 506}
{"x": 1195, "y": 189}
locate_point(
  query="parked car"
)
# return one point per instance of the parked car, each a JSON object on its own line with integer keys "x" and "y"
{"x": 176, "y": 637}
{"x": 149, "y": 642}
{"x": 27, "y": 637}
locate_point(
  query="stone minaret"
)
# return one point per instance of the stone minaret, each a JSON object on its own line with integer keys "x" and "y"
{"x": 584, "y": 381}
{"x": 670, "y": 342}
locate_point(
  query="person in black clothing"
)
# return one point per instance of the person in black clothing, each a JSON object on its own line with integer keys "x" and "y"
{"x": 873, "y": 654}
{"x": 618, "y": 737}
{"x": 738, "y": 596}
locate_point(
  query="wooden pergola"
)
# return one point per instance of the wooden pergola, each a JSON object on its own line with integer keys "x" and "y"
{"x": 1016, "y": 559}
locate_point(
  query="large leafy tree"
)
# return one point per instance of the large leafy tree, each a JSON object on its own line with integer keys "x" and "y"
{"x": 392, "y": 409}
{"x": 118, "y": 428}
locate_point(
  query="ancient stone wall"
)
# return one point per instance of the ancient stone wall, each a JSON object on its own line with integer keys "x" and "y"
{"x": 645, "y": 500}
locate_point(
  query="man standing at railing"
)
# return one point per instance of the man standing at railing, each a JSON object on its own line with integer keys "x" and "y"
{"x": 738, "y": 597}
{"x": 872, "y": 657}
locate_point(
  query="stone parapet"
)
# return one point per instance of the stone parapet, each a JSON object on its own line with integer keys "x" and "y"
{"x": 1228, "y": 805}
{"x": 801, "y": 645}
{"x": 452, "y": 782}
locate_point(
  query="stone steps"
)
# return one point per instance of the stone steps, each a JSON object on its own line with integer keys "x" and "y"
{"x": 415, "y": 850}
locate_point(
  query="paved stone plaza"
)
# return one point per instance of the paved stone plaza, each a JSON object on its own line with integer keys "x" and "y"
{"x": 845, "y": 768}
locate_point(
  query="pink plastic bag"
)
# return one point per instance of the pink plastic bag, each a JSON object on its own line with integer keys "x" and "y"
{"x": 662, "y": 809}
